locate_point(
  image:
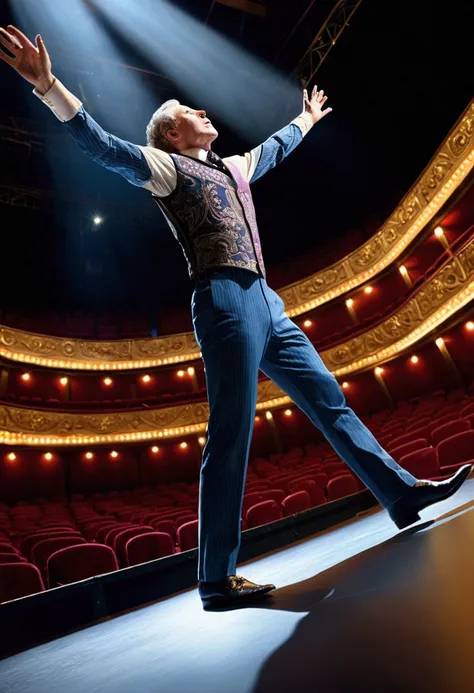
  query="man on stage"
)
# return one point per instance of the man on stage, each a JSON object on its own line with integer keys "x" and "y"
{"x": 239, "y": 322}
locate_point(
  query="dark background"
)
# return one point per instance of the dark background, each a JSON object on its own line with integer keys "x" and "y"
{"x": 398, "y": 79}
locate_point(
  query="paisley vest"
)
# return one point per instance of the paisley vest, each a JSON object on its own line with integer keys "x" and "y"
{"x": 211, "y": 214}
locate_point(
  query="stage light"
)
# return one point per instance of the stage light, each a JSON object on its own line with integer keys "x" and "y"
{"x": 97, "y": 220}
{"x": 155, "y": 449}
{"x": 48, "y": 456}
{"x": 288, "y": 412}
{"x": 349, "y": 303}
{"x": 183, "y": 445}
{"x": 26, "y": 377}
{"x": 190, "y": 370}
{"x": 378, "y": 370}
{"x": 269, "y": 415}
{"x": 257, "y": 419}
{"x": 439, "y": 342}
{"x": 11, "y": 457}
{"x": 307, "y": 323}
{"x": 345, "y": 385}
{"x": 114, "y": 453}
{"x": 180, "y": 374}
{"x": 403, "y": 270}
{"x": 146, "y": 378}
{"x": 368, "y": 290}
{"x": 63, "y": 381}
{"x": 470, "y": 326}
{"x": 199, "y": 60}
{"x": 438, "y": 232}
{"x": 107, "y": 382}
{"x": 414, "y": 359}
{"x": 201, "y": 440}
{"x": 89, "y": 455}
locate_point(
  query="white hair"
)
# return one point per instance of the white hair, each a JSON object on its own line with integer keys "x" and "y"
{"x": 161, "y": 121}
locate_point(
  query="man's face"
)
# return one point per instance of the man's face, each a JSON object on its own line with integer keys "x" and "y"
{"x": 193, "y": 128}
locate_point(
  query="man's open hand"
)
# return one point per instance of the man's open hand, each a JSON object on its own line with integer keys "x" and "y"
{"x": 314, "y": 106}
{"x": 31, "y": 61}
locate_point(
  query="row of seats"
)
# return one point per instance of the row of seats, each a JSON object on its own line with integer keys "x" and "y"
{"x": 150, "y": 523}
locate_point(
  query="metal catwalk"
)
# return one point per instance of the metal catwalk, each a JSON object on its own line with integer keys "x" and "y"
{"x": 360, "y": 608}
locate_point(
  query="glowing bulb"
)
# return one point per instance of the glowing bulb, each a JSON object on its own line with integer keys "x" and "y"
{"x": 257, "y": 419}
{"x": 183, "y": 445}
{"x": 190, "y": 370}
{"x": 378, "y": 370}
{"x": 201, "y": 440}
{"x": 288, "y": 412}
{"x": 107, "y": 381}
{"x": 114, "y": 453}
{"x": 180, "y": 374}
{"x": 470, "y": 326}
{"x": 269, "y": 415}
{"x": 414, "y": 359}
{"x": 48, "y": 456}
{"x": 368, "y": 290}
{"x": 345, "y": 385}
{"x": 63, "y": 381}
{"x": 403, "y": 270}
{"x": 439, "y": 342}
{"x": 349, "y": 303}
{"x": 89, "y": 455}
{"x": 146, "y": 378}
{"x": 12, "y": 457}
{"x": 438, "y": 232}
{"x": 26, "y": 377}
{"x": 307, "y": 323}
{"x": 97, "y": 220}
{"x": 155, "y": 449}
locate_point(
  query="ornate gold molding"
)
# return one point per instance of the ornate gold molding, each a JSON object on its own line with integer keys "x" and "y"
{"x": 449, "y": 167}
{"x": 434, "y": 303}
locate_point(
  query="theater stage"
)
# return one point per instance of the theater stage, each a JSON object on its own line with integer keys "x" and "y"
{"x": 359, "y": 607}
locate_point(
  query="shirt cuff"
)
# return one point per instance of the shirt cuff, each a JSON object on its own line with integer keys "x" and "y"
{"x": 61, "y": 101}
{"x": 304, "y": 122}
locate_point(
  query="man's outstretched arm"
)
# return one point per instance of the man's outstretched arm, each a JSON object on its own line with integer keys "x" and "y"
{"x": 266, "y": 156}
{"x": 32, "y": 62}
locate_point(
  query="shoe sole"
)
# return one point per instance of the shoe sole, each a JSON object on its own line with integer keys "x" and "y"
{"x": 220, "y": 602}
{"x": 410, "y": 517}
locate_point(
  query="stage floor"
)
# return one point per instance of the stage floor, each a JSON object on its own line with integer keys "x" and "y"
{"x": 359, "y": 608}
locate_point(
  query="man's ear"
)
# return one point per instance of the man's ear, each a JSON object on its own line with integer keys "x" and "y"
{"x": 172, "y": 135}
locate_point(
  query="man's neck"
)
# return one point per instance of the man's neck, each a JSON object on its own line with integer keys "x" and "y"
{"x": 196, "y": 152}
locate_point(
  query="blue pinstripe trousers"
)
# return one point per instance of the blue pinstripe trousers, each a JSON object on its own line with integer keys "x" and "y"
{"x": 241, "y": 327}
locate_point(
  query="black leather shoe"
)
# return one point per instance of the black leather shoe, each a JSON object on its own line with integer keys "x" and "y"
{"x": 233, "y": 590}
{"x": 405, "y": 510}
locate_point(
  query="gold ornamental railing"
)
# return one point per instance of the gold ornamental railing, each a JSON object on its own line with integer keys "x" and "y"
{"x": 436, "y": 302}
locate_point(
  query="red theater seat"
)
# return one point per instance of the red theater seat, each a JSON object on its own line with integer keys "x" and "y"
{"x": 422, "y": 463}
{"x": 316, "y": 492}
{"x": 19, "y": 580}
{"x": 30, "y": 541}
{"x": 341, "y": 486}
{"x": 44, "y": 549}
{"x": 262, "y": 514}
{"x": 148, "y": 547}
{"x": 12, "y": 558}
{"x": 402, "y": 450}
{"x": 455, "y": 451}
{"x": 296, "y": 503}
{"x": 188, "y": 535}
{"x": 424, "y": 432}
{"x": 166, "y": 526}
{"x": 75, "y": 563}
{"x": 122, "y": 539}
{"x": 449, "y": 429}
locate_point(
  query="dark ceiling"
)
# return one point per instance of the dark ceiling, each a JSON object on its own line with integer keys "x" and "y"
{"x": 398, "y": 79}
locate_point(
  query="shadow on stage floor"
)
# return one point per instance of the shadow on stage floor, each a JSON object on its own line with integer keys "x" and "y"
{"x": 396, "y": 617}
